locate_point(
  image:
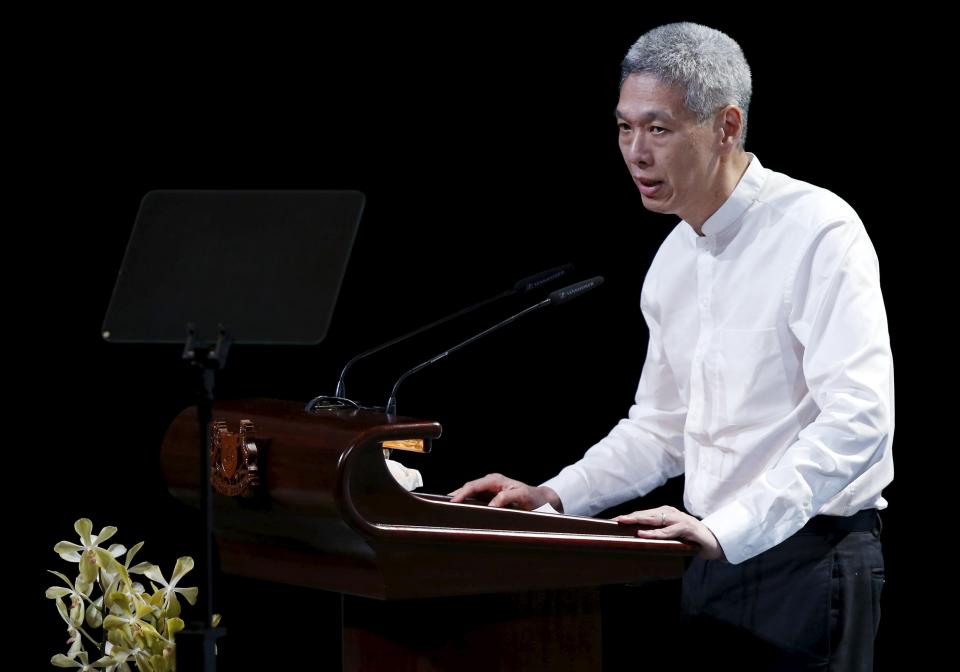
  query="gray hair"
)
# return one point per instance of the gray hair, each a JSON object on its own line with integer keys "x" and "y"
{"x": 707, "y": 63}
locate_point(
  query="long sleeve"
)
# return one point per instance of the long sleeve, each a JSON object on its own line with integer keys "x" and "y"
{"x": 837, "y": 314}
{"x": 643, "y": 450}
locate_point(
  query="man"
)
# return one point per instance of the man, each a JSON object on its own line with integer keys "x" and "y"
{"x": 768, "y": 379}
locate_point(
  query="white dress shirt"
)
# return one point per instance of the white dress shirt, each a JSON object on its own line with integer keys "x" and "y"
{"x": 768, "y": 378}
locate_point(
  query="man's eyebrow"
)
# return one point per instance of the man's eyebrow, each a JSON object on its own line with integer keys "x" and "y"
{"x": 649, "y": 115}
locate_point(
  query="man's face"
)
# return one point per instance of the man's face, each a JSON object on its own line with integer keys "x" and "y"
{"x": 672, "y": 159}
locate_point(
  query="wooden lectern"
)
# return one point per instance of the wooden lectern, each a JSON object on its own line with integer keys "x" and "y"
{"x": 306, "y": 498}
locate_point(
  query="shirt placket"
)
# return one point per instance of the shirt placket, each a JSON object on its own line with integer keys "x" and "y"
{"x": 701, "y": 390}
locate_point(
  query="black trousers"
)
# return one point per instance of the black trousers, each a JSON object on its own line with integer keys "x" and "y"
{"x": 810, "y": 603}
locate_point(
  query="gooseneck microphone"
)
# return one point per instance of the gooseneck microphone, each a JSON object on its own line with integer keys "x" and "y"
{"x": 523, "y": 286}
{"x": 555, "y": 298}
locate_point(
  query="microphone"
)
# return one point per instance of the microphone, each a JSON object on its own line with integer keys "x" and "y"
{"x": 555, "y": 298}
{"x": 523, "y": 286}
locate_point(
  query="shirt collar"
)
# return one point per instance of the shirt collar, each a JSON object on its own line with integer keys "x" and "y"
{"x": 743, "y": 196}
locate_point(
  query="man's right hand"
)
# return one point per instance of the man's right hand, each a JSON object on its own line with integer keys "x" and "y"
{"x": 508, "y": 493}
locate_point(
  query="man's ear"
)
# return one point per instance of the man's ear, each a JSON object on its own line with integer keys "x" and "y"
{"x": 731, "y": 126}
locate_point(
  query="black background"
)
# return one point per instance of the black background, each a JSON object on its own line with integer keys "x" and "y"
{"x": 486, "y": 146}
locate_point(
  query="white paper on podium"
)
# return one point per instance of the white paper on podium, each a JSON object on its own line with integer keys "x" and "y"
{"x": 546, "y": 508}
{"x": 410, "y": 479}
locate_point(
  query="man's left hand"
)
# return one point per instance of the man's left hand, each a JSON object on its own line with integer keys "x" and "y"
{"x": 674, "y": 524}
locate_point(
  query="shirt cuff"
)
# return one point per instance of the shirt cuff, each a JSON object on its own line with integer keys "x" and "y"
{"x": 570, "y": 488}
{"x": 735, "y": 528}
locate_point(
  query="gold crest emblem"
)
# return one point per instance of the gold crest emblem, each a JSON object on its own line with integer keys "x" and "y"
{"x": 234, "y": 468}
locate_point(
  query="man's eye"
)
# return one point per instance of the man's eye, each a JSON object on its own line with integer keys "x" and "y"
{"x": 658, "y": 130}
{"x": 623, "y": 126}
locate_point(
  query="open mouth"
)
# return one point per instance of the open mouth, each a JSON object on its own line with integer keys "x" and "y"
{"x": 649, "y": 187}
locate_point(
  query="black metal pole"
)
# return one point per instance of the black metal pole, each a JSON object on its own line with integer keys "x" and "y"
{"x": 196, "y": 644}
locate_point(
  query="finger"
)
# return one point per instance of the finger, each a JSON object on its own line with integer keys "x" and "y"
{"x": 489, "y": 483}
{"x": 627, "y": 516}
{"x": 639, "y": 517}
{"x": 670, "y": 532}
{"x": 501, "y": 499}
{"x": 461, "y": 493}
{"x": 464, "y": 493}
{"x": 659, "y": 518}
{"x": 511, "y": 496}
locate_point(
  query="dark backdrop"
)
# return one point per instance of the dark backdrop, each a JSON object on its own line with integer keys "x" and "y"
{"x": 487, "y": 149}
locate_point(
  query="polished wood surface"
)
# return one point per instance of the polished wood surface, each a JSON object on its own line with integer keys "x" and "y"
{"x": 329, "y": 515}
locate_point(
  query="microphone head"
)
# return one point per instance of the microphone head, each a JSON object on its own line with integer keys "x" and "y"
{"x": 534, "y": 281}
{"x": 573, "y": 291}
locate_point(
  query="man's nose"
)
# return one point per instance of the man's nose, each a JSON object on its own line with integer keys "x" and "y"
{"x": 637, "y": 150}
